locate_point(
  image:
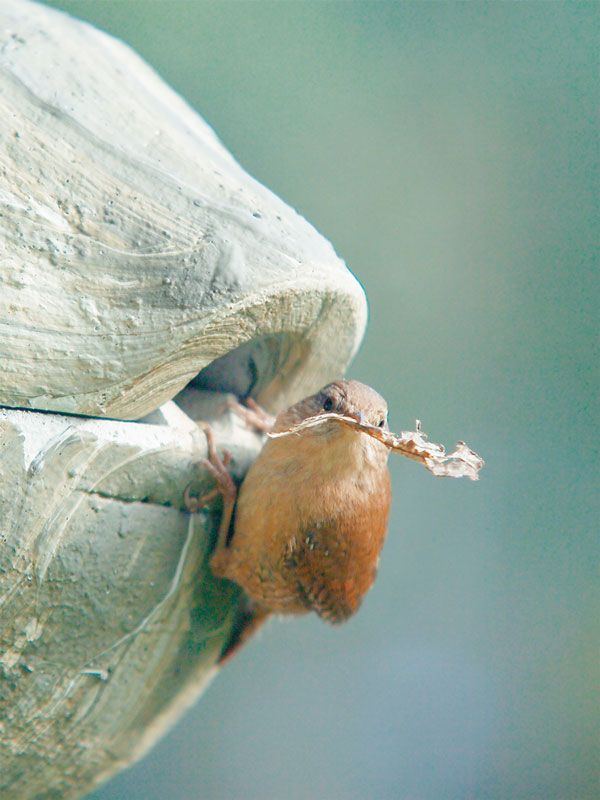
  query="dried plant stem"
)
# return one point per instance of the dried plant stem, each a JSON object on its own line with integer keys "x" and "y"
{"x": 461, "y": 462}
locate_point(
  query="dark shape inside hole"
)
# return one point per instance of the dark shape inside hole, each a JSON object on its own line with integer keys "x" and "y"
{"x": 248, "y": 370}
{"x": 236, "y": 372}
{"x": 259, "y": 369}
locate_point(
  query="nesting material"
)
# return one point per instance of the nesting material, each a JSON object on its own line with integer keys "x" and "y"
{"x": 462, "y": 462}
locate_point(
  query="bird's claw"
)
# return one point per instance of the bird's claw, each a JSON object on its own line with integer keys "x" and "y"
{"x": 217, "y": 466}
{"x": 253, "y": 414}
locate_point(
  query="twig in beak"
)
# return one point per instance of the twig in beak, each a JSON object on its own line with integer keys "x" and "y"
{"x": 462, "y": 462}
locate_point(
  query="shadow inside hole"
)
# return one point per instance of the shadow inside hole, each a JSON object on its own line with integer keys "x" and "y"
{"x": 237, "y": 372}
{"x": 263, "y": 369}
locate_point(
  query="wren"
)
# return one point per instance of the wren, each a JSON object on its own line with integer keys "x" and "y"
{"x": 311, "y": 514}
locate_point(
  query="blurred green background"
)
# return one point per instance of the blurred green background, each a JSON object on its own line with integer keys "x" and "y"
{"x": 448, "y": 152}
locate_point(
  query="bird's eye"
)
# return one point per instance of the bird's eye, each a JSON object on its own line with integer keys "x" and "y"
{"x": 381, "y": 423}
{"x": 327, "y": 404}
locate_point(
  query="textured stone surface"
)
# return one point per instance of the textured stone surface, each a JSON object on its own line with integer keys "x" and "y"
{"x": 138, "y": 263}
{"x": 133, "y": 249}
{"x": 110, "y": 620}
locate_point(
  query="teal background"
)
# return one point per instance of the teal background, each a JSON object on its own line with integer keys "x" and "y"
{"x": 448, "y": 151}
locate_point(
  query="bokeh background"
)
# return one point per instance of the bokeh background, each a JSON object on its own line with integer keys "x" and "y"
{"x": 448, "y": 152}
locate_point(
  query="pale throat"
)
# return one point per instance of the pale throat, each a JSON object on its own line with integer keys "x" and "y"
{"x": 342, "y": 452}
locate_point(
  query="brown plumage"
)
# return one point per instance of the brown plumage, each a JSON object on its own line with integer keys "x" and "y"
{"x": 312, "y": 512}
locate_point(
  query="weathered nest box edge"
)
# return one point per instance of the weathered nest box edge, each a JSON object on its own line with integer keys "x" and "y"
{"x": 142, "y": 271}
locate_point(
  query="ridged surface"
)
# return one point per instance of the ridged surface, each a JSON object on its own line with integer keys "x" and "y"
{"x": 111, "y": 622}
{"x": 133, "y": 248}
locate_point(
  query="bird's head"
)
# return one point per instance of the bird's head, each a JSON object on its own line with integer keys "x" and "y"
{"x": 347, "y": 398}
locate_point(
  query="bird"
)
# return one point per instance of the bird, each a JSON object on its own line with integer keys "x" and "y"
{"x": 305, "y": 530}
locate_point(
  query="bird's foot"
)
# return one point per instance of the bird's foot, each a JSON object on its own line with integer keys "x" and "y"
{"x": 225, "y": 487}
{"x": 253, "y": 415}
